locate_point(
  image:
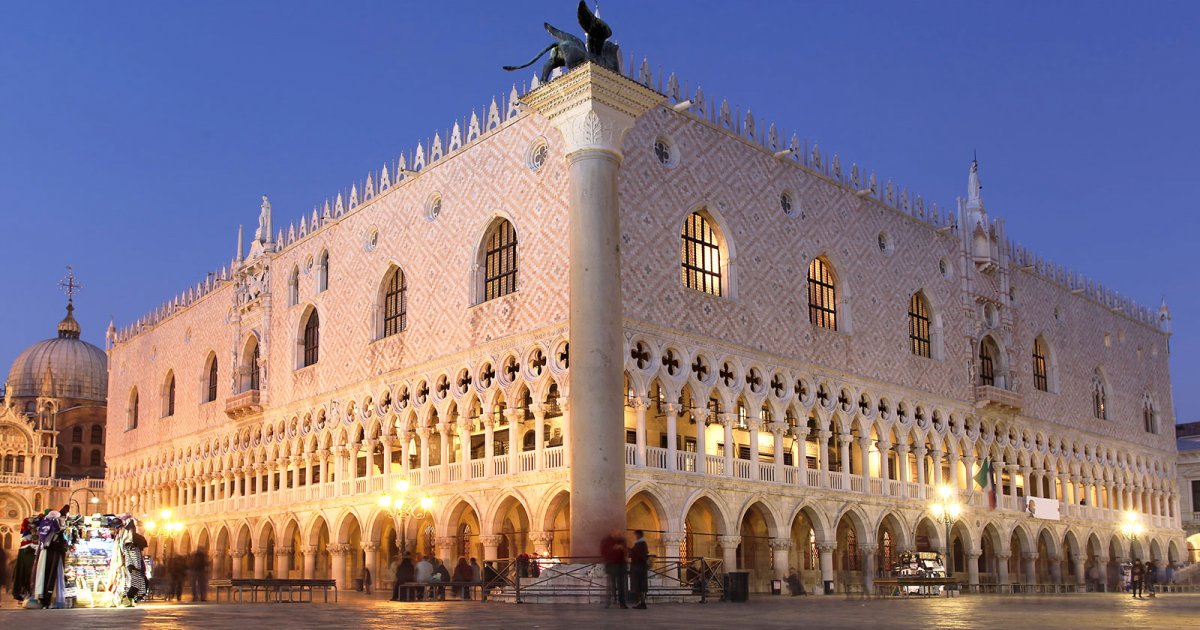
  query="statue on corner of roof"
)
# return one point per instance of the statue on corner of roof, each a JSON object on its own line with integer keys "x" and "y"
{"x": 569, "y": 51}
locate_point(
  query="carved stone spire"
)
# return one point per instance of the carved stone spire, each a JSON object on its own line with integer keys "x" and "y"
{"x": 974, "y": 189}
{"x": 238, "y": 257}
{"x": 1164, "y": 317}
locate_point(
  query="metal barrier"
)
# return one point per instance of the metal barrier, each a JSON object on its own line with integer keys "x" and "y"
{"x": 584, "y": 577}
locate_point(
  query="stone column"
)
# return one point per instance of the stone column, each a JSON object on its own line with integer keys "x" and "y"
{"x": 701, "y": 417}
{"x": 972, "y": 562}
{"x": 919, "y": 455}
{"x": 864, "y": 450}
{"x": 539, "y": 436}
{"x": 235, "y": 560}
{"x": 778, "y": 431}
{"x": 779, "y": 550}
{"x": 1029, "y": 566}
{"x": 371, "y": 560}
{"x": 491, "y": 546}
{"x": 729, "y": 545}
{"x": 310, "y": 561}
{"x": 868, "y": 566}
{"x": 671, "y": 542}
{"x": 825, "y": 551}
{"x": 640, "y": 405}
{"x": 754, "y": 450}
{"x": 283, "y": 557}
{"x": 902, "y": 463}
{"x": 885, "y": 463}
{"x": 844, "y": 440}
{"x": 1080, "y": 569}
{"x": 515, "y": 417}
{"x": 337, "y": 564}
{"x": 489, "y": 447}
{"x": 1102, "y": 571}
{"x": 1002, "y": 579}
{"x": 672, "y": 410}
{"x": 464, "y": 447}
{"x": 388, "y": 484}
{"x": 823, "y": 453}
{"x": 444, "y": 548}
{"x": 727, "y": 419}
{"x": 593, "y": 109}
{"x": 260, "y": 564}
{"x": 1056, "y": 573}
{"x": 424, "y": 432}
{"x": 936, "y": 454}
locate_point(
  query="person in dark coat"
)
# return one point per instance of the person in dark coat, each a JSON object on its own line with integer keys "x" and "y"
{"x": 22, "y": 585}
{"x": 405, "y": 574}
{"x": 1136, "y": 574}
{"x": 463, "y": 576}
{"x": 639, "y": 569}
{"x": 612, "y": 550}
{"x": 795, "y": 586}
{"x": 491, "y": 578}
{"x": 199, "y": 575}
{"x": 1151, "y": 578}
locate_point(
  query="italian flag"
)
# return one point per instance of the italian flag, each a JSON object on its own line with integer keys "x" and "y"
{"x": 986, "y": 479}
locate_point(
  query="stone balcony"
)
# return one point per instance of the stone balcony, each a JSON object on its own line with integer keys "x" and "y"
{"x": 245, "y": 404}
{"x": 1003, "y": 399}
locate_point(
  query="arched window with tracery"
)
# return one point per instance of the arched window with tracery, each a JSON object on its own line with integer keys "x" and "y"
{"x": 464, "y": 541}
{"x": 987, "y": 361}
{"x": 255, "y": 370}
{"x": 1041, "y": 379}
{"x": 822, "y": 295}
{"x": 429, "y": 542}
{"x": 500, "y": 261}
{"x": 1099, "y": 397}
{"x": 918, "y": 326}
{"x": 887, "y": 551}
{"x": 1149, "y": 416}
{"x": 395, "y": 303}
{"x": 700, "y": 257}
{"x": 168, "y": 396}
{"x": 312, "y": 339}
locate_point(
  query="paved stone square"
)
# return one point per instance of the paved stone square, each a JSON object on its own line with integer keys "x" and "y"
{"x": 980, "y": 611}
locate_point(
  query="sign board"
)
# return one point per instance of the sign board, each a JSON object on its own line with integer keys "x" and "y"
{"x": 1042, "y": 508}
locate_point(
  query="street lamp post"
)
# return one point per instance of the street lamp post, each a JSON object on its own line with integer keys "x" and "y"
{"x": 93, "y": 498}
{"x": 166, "y": 529}
{"x": 948, "y": 509}
{"x": 401, "y": 508}
{"x": 1131, "y": 527}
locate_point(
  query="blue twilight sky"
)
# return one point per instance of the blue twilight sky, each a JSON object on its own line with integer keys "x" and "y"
{"x": 136, "y": 136}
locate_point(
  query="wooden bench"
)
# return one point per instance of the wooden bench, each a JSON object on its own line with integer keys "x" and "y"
{"x": 274, "y": 589}
{"x": 428, "y": 587}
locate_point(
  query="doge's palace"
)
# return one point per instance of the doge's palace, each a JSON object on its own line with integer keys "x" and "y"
{"x": 611, "y": 301}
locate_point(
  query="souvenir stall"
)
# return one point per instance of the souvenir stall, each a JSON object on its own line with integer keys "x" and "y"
{"x": 87, "y": 566}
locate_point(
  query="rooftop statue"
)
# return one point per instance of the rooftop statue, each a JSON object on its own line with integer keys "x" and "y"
{"x": 570, "y": 51}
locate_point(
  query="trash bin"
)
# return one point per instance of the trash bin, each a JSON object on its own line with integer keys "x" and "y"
{"x": 777, "y": 587}
{"x": 829, "y": 587}
{"x": 358, "y": 584}
{"x": 737, "y": 586}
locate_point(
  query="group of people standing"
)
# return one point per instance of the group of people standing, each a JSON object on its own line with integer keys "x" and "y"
{"x": 1143, "y": 578}
{"x": 627, "y": 568}
{"x": 182, "y": 569}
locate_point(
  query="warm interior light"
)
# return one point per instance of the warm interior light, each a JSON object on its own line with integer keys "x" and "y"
{"x": 937, "y": 510}
{"x": 945, "y": 491}
{"x": 399, "y": 503}
{"x": 95, "y": 499}
{"x": 426, "y": 503}
{"x": 385, "y": 501}
{"x": 150, "y": 525}
{"x": 954, "y": 510}
{"x": 402, "y": 486}
{"x": 165, "y": 514}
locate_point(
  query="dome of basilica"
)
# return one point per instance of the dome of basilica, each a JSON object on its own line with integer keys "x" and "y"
{"x": 63, "y": 367}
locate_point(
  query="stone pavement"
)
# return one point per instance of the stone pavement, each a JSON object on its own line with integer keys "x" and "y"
{"x": 356, "y": 611}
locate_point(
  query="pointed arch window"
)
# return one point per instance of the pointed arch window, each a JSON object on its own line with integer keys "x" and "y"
{"x": 132, "y": 414}
{"x": 395, "y": 303}
{"x": 168, "y": 396}
{"x": 1040, "y": 373}
{"x": 255, "y": 370}
{"x": 210, "y": 384}
{"x": 500, "y": 261}
{"x": 822, "y": 295}
{"x": 1149, "y": 417}
{"x": 323, "y": 273}
{"x": 294, "y": 287}
{"x": 1099, "y": 397}
{"x": 312, "y": 339}
{"x": 700, "y": 258}
{"x": 987, "y": 362}
{"x": 918, "y": 326}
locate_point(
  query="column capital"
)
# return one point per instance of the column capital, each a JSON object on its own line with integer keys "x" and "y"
{"x": 778, "y": 429}
{"x": 729, "y": 542}
{"x": 309, "y": 550}
{"x": 780, "y": 544}
{"x": 672, "y": 540}
{"x": 1002, "y": 555}
{"x": 370, "y": 546}
{"x": 491, "y": 541}
{"x": 1029, "y": 555}
{"x": 541, "y": 537}
{"x": 283, "y": 551}
{"x": 592, "y": 107}
{"x": 826, "y": 547}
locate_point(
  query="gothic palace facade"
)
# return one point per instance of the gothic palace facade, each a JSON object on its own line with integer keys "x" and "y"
{"x": 808, "y": 352}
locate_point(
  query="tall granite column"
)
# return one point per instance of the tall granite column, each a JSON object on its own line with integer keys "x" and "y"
{"x": 593, "y": 109}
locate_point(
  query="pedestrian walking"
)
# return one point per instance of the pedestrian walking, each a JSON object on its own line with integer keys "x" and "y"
{"x": 613, "y": 550}
{"x": 1151, "y": 579}
{"x": 366, "y": 579}
{"x": 1136, "y": 575}
{"x": 200, "y": 575}
{"x": 177, "y": 567}
{"x": 639, "y": 569}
